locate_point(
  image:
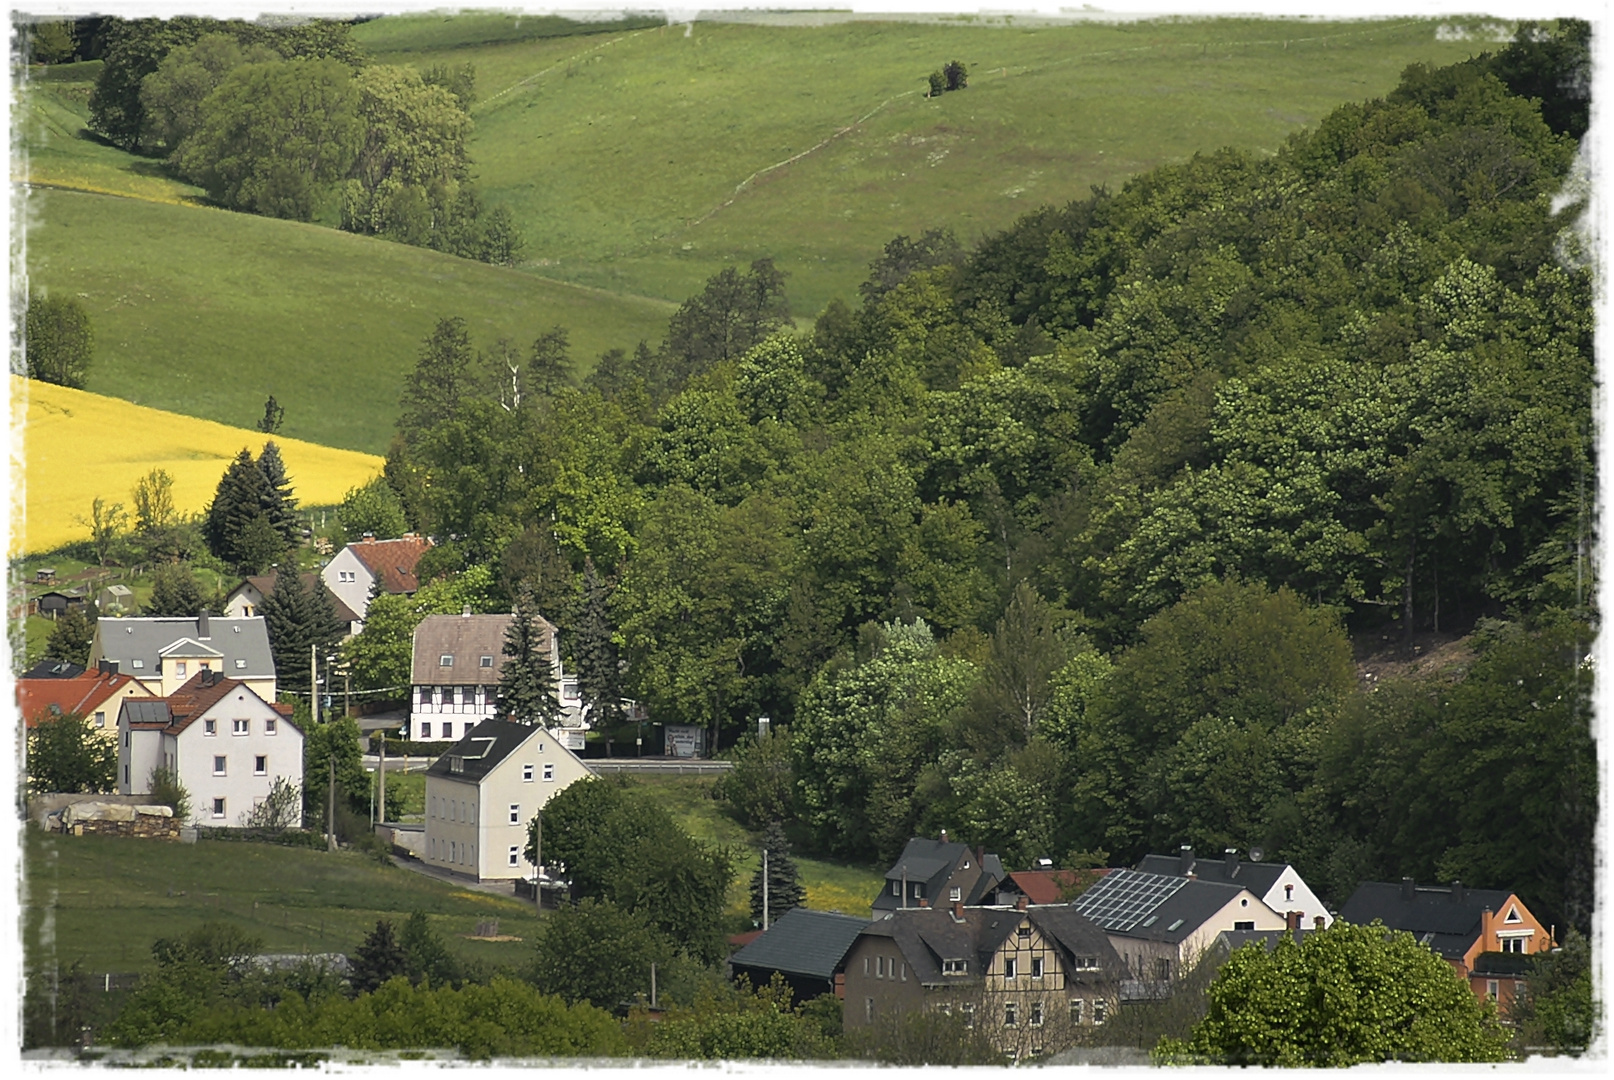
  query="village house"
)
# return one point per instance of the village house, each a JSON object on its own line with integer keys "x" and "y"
{"x": 358, "y": 567}
{"x": 807, "y": 948}
{"x": 246, "y": 599}
{"x": 94, "y": 695}
{"x": 223, "y": 742}
{"x": 163, "y": 654}
{"x": 454, "y": 677}
{"x": 1277, "y": 884}
{"x": 1487, "y": 935}
{"x": 1037, "y": 978}
{"x": 939, "y": 872}
{"x": 1161, "y": 924}
{"x": 483, "y": 792}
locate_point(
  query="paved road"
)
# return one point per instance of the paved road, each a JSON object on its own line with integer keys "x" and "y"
{"x": 656, "y": 766}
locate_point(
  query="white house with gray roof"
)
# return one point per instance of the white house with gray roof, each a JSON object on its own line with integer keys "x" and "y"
{"x": 1278, "y": 884}
{"x": 483, "y": 792}
{"x": 163, "y": 654}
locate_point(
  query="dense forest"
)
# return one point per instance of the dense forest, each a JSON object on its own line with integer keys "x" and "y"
{"x": 1070, "y": 540}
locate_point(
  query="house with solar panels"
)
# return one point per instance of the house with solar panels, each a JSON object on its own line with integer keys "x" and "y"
{"x": 1160, "y": 924}
{"x": 1279, "y": 885}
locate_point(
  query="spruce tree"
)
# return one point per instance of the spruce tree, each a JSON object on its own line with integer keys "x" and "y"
{"x": 298, "y": 618}
{"x": 599, "y": 671}
{"x": 785, "y": 890}
{"x": 174, "y": 592}
{"x": 71, "y": 637}
{"x": 279, "y": 505}
{"x": 241, "y": 496}
{"x": 378, "y": 959}
{"x": 527, "y": 682}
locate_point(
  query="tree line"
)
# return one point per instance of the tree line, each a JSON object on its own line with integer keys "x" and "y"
{"x": 979, "y": 534}
{"x": 293, "y": 121}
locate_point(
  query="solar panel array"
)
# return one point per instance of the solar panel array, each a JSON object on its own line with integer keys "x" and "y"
{"x": 1123, "y": 898}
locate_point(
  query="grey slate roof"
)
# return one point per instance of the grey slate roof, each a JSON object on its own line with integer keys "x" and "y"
{"x": 803, "y": 942}
{"x": 931, "y": 862}
{"x": 482, "y": 748}
{"x": 1258, "y": 877}
{"x": 1433, "y": 915}
{"x": 928, "y": 936}
{"x": 145, "y": 639}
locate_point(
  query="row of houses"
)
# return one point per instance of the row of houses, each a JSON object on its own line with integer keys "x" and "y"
{"x": 1038, "y": 956}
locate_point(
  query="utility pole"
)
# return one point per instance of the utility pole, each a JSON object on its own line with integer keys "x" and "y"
{"x": 313, "y": 681}
{"x": 382, "y": 774}
{"x": 764, "y": 888}
{"x": 538, "y": 871}
{"x": 330, "y": 809}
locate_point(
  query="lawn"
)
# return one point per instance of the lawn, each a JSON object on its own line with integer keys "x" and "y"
{"x": 206, "y": 312}
{"x": 79, "y": 446}
{"x": 106, "y": 899}
{"x": 643, "y": 160}
{"x": 831, "y": 886}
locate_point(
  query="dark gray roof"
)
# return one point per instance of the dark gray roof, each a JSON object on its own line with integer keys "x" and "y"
{"x": 1433, "y": 914}
{"x": 928, "y": 936}
{"x": 932, "y": 862}
{"x": 1258, "y": 877}
{"x": 803, "y": 942}
{"x": 145, "y": 639}
{"x": 482, "y": 748}
{"x": 1233, "y": 940}
{"x": 1167, "y": 912}
{"x": 147, "y": 711}
{"x": 54, "y": 669}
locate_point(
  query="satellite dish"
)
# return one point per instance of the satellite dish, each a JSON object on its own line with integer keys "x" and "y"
{"x": 1256, "y": 854}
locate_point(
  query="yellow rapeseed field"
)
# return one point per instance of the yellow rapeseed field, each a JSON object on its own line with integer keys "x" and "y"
{"x": 75, "y": 446}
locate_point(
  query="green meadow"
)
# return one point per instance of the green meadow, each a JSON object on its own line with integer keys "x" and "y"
{"x": 104, "y": 900}
{"x": 644, "y": 160}
{"x": 207, "y": 312}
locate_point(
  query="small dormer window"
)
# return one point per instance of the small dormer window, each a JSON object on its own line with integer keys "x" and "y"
{"x": 456, "y": 764}
{"x": 240, "y": 665}
{"x": 955, "y": 967}
{"x": 486, "y": 661}
{"x": 137, "y": 664}
{"x": 445, "y": 661}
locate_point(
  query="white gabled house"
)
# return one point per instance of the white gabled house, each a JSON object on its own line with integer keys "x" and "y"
{"x": 1278, "y": 884}
{"x": 225, "y": 743}
{"x": 483, "y": 792}
{"x": 361, "y": 566}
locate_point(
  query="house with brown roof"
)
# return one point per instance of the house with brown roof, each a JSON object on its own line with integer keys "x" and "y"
{"x": 1037, "y": 978}
{"x": 454, "y": 677}
{"x": 246, "y": 599}
{"x": 1487, "y": 935}
{"x": 95, "y": 695}
{"x": 355, "y": 570}
{"x": 226, "y": 745}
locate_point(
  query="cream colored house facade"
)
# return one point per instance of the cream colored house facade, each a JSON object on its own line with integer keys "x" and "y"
{"x": 481, "y": 795}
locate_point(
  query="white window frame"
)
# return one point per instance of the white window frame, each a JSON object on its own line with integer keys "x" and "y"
{"x": 1008, "y": 967}
{"x": 210, "y": 727}
{"x": 1011, "y": 1014}
{"x": 260, "y": 769}
{"x": 239, "y": 726}
{"x": 526, "y": 773}
{"x": 1036, "y": 1013}
{"x": 549, "y": 771}
{"x": 218, "y": 807}
{"x": 445, "y": 660}
{"x": 1077, "y": 1009}
{"x": 515, "y": 855}
{"x": 221, "y": 765}
{"x": 1036, "y": 967}
{"x": 515, "y": 814}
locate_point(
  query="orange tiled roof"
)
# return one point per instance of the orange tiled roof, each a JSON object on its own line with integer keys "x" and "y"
{"x": 393, "y": 561}
{"x": 81, "y": 694}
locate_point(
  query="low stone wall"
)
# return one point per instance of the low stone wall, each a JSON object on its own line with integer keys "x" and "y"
{"x": 41, "y": 807}
{"x": 144, "y": 826}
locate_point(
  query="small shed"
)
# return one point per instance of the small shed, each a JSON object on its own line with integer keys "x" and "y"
{"x": 119, "y": 597}
{"x": 45, "y": 575}
{"x": 55, "y": 602}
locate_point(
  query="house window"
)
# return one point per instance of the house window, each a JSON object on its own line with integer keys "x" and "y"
{"x": 1023, "y": 933}
{"x": 896, "y": 888}
{"x": 568, "y": 691}
{"x": 1162, "y": 970}
{"x": 549, "y": 770}
{"x": 437, "y": 696}
{"x": 918, "y": 890}
{"x": 1490, "y": 989}
{"x": 1011, "y": 1013}
{"x": 968, "y": 1009}
{"x": 515, "y": 813}
{"x": 865, "y": 967}
{"x": 868, "y": 1010}
{"x": 269, "y": 726}
{"x": 137, "y": 664}
{"x": 1288, "y": 892}
{"x": 240, "y": 665}
{"x": 453, "y": 851}
{"x": 448, "y": 730}
{"x": 515, "y": 853}
{"x": 425, "y": 729}
{"x": 955, "y": 967}
{"x": 879, "y": 967}
{"x": 240, "y": 727}
{"x": 125, "y": 738}
{"x": 445, "y": 660}
{"x": 260, "y": 765}
{"x": 218, "y": 765}
{"x": 126, "y": 774}
{"x": 1085, "y": 963}
{"x": 179, "y": 667}
{"x": 1036, "y": 1014}
{"x": 1513, "y": 915}
{"x": 1513, "y": 944}
{"x": 1076, "y": 1010}
{"x": 210, "y": 727}
{"x": 218, "y": 807}
{"x": 1008, "y": 968}
{"x": 1098, "y": 1010}
{"x": 526, "y": 773}
{"x": 904, "y": 972}
{"x": 485, "y": 661}
{"x": 955, "y": 894}
{"x": 1036, "y": 967}
{"x": 100, "y": 719}
{"x": 1244, "y": 925}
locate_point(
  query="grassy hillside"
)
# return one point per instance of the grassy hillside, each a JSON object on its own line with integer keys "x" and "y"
{"x": 206, "y": 312}
{"x": 79, "y": 446}
{"x": 106, "y": 899}
{"x": 642, "y": 160}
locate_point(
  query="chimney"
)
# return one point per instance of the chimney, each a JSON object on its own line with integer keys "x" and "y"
{"x": 367, "y": 538}
{"x": 1185, "y": 861}
{"x": 1230, "y": 859}
{"x": 202, "y": 629}
{"x": 466, "y": 614}
{"x": 1407, "y": 890}
{"x": 1291, "y": 919}
{"x": 108, "y": 667}
{"x": 1020, "y": 904}
{"x": 944, "y": 836}
{"x": 924, "y": 901}
{"x": 958, "y": 911}
{"x": 1457, "y": 894}
{"x": 1317, "y": 922}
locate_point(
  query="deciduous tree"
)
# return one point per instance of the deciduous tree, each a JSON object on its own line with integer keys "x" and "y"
{"x": 67, "y": 754}
{"x": 58, "y": 342}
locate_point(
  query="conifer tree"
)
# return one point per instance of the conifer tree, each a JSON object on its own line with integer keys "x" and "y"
{"x": 71, "y": 637}
{"x": 297, "y": 618}
{"x": 241, "y": 496}
{"x": 785, "y": 890}
{"x": 378, "y": 959}
{"x": 527, "y": 682}
{"x": 174, "y": 592}
{"x": 279, "y": 505}
{"x": 599, "y": 671}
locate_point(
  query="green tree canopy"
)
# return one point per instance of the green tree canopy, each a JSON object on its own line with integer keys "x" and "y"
{"x": 71, "y": 637}
{"x": 598, "y": 952}
{"x": 174, "y": 592}
{"x": 1348, "y": 995}
{"x": 58, "y": 342}
{"x": 66, "y": 753}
